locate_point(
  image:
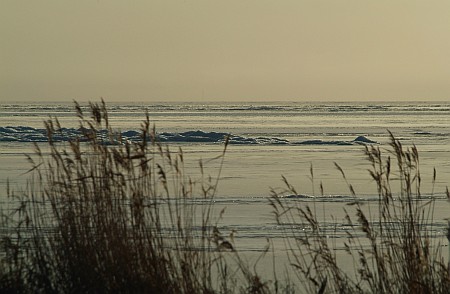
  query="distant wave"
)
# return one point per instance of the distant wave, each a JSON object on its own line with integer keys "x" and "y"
{"x": 324, "y": 198}
{"x": 354, "y": 200}
{"x": 358, "y": 140}
{"x": 45, "y": 108}
{"x": 29, "y": 134}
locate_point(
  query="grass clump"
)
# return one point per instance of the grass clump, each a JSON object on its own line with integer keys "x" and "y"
{"x": 104, "y": 215}
{"x": 392, "y": 249}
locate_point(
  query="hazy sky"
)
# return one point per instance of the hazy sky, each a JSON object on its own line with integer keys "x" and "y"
{"x": 245, "y": 50}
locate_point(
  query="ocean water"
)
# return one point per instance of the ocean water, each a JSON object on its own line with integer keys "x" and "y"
{"x": 268, "y": 140}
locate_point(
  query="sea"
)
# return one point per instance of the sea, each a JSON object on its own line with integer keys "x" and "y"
{"x": 300, "y": 141}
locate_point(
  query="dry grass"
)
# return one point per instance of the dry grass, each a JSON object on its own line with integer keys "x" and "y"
{"x": 393, "y": 250}
{"x": 102, "y": 215}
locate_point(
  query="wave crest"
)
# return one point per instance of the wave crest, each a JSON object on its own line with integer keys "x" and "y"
{"x": 29, "y": 134}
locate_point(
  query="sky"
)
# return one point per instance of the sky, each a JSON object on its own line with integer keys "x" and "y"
{"x": 229, "y": 50}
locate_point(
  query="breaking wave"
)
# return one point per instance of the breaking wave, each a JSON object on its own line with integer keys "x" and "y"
{"x": 30, "y": 134}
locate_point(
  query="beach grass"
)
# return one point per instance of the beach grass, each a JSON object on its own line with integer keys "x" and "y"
{"x": 101, "y": 214}
{"x": 391, "y": 250}
{"x": 104, "y": 215}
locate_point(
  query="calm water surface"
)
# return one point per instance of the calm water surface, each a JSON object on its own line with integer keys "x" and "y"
{"x": 268, "y": 140}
